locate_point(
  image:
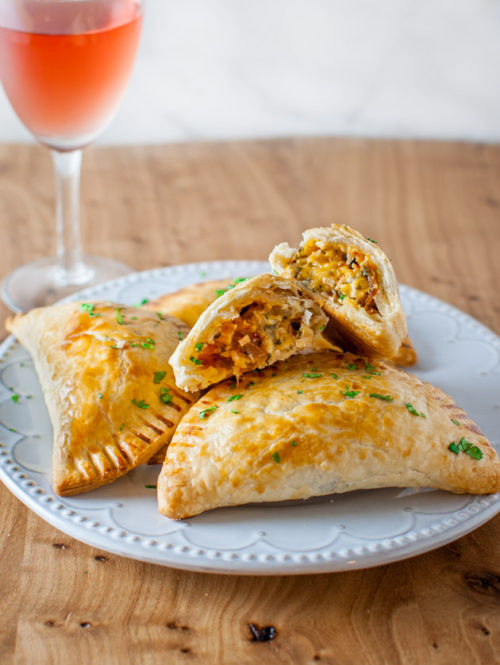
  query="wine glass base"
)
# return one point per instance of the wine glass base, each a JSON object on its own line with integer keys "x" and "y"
{"x": 41, "y": 282}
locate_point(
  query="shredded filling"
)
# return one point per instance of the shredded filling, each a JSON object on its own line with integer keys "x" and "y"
{"x": 343, "y": 270}
{"x": 252, "y": 338}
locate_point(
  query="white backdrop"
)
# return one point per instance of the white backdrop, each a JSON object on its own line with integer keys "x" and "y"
{"x": 210, "y": 69}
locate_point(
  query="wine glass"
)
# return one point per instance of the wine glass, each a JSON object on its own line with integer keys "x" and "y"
{"x": 64, "y": 65}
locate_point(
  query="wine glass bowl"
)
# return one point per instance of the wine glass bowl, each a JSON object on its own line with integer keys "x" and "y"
{"x": 64, "y": 65}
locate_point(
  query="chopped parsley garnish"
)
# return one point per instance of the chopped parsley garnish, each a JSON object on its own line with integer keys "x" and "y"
{"x": 135, "y": 345}
{"x": 386, "y": 398}
{"x": 205, "y": 411}
{"x": 233, "y": 397}
{"x": 309, "y": 375}
{"x": 464, "y": 446}
{"x": 159, "y": 376}
{"x": 15, "y": 398}
{"x": 276, "y": 457}
{"x": 199, "y": 346}
{"x": 351, "y": 366}
{"x": 140, "y": 404}
{"x": 334, "y": 375}
{"x": 371, "y": 369}
{"x": 294, "y": 443}
{"x": 299, "y": 392}
{"x": 414, "y": 411}
{"x": 234, "y": 411}
{"x": 119, "y": 317}
{"x": 122, "y": 427}
{"x": 166, "y": 396}
{"x": 143, "y": 302}
{"x": 252, "y": 383}
{"x": 350, "y": 394}
{"x": 134, "y": 318}
{"x": 87, "y": 307}
{"x": 220, "y": 292}
{"x": 196, "y": 361}
{"x": 149, "y": 344}
{"x": 160, "y": 316}
{"x": 150, "y": 487}
{"x": 340, "y": 295}
{"x": 99, "y": 395}
{"x": 372, "y": 240}
{"x": 180, "y": 335}
{"x": 455, "y": 422}
{"x": 322, "y": 327}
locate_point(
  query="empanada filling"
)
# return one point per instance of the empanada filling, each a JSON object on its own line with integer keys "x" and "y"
{"x": 342, "y": 270}
{"x": 252, "y": 339}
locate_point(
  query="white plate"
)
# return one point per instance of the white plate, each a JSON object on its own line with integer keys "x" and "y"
{"x": 354, "y": 530}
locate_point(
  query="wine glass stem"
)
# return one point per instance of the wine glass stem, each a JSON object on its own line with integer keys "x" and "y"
{"x": 69, "y": 251}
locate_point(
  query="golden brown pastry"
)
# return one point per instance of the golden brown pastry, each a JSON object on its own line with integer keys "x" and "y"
{"x": 109, "y": 389}
{"x": 316, "y": 424}
{"x": 261, "y": 320}
{"x": 189, "y": 303}
{"x": 354, "y": 282}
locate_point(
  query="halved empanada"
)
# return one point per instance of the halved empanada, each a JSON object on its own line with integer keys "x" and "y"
{"x": 354, "y": 282}
{"x": 316, "y": 424}
{"x": 109, "y": 389}
{"x": 261, "y": 320}
{"x": 189, "y": 303}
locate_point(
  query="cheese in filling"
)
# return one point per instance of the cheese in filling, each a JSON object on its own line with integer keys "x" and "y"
{"x": 341, "y": 270}
{"x": 261, "y": 331}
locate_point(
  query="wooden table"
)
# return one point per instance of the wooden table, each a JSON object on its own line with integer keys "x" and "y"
{"x": 435, "y": 209}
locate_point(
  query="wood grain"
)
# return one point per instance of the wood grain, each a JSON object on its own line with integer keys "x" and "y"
{"x": 435, "y": 209}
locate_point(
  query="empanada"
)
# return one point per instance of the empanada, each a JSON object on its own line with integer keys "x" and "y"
{"x": 354, "y": 282}
{"x": 316, "y": 424}
{"x": 109, "y": 389}
{"x": 261, "y": 320}
{"x": 189, "y": 303}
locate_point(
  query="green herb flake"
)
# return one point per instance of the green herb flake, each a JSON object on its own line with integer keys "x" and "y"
{"x": 372, "y": 240}
{"x": 351, "y": 366}
{"x": 203, "y": 413}
{"x": 119, "y": 317}
{"x": 411, "y": 409}
{"x": 350, "y": 394}
{"x": 234, "y": 411}
{"x": 322, "y": 327}
{"x": 252, "y": 383}
{"x": 99, "y": 395}
{"x": 366, "y": 376}
{"x": 309, "y": 375}
{"x": 386, "y": 398}
{"x": 144, "y": 301}
{"x": 233, "y": 397}
{"x": 294, "y": 443}
{"x": 464, "y": 446}
{"x": 15, "y": 398}
{"x": 196, "y": 361}
{"x": 122, "y": 427}
{"x": 199, "y": 346}
{"x": 159, "y": 376}
{"x": 89, "y": 308}
{"x": 276, "y": 457}
{"x": 220, "y": 292}
{"x": 141, "y": 404}
{"x": 300, "y": 392}
{"x": 150, "y": 487}
{"x": 238, "y": 280}
{"x": 166, "y": 396}
{"x": 455, "y": 422}
{"x": 160, "y": 316}
{"x": 135, "y": 345}
{"x": 340, "y": 295}
{"x": 180, "y": 334}
{"x": 11, "y": 429}
{"x": 334, "y": 376}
